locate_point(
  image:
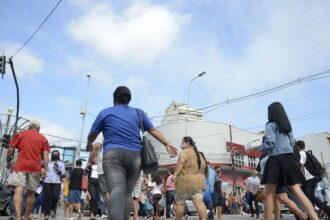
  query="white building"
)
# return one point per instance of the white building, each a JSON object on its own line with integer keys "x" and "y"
{"x": 221, "y": 143}
{"x": 180, "y": 112}
{"x": 320, "y": 145}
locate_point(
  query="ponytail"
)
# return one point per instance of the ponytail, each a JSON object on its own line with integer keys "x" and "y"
{"x": 190, "y": 141}
{"x": 198, "y": 156}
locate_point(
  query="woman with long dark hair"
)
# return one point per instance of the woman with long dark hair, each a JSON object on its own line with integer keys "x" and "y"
{"x": 120, "y": 125}
{"x": 281, "y": 168}
{"x": 189, "y": 178}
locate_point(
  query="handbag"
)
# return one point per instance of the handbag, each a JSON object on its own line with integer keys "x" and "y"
{"x": 84, "y": 182}
{"x": 149, "y": 159}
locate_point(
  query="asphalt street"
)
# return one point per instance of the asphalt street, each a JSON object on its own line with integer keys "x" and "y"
{"x": 226, "y": 217}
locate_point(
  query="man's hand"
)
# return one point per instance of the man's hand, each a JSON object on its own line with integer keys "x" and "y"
{"x": 89, "y": 147}
{"x": 43, "y": 172}
{"x": 88, "y": 166}
{"x": 9, "y": 166}
{"x": 172, "y": 151}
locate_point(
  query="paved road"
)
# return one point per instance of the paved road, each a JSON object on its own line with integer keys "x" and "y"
{"x": 226, "y": 217}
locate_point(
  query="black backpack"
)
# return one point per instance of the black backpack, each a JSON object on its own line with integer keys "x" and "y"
{"x": 313, "y": 166}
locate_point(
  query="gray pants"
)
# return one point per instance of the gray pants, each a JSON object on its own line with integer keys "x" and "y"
{"x": 122, "y": 169}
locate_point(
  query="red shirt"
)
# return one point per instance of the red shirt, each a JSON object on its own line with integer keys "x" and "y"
{"x": 31, "y": 145}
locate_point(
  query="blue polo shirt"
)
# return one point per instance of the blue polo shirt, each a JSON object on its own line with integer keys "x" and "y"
{"x": 120, "y": 126}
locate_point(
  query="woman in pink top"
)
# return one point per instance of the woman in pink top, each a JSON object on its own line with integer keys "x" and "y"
{"x": 170, "y": 191}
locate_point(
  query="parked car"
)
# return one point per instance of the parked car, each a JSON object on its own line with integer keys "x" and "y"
{"x": 4, "y": 200}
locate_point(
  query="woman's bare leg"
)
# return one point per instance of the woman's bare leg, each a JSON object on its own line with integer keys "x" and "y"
{"x": 269, "y": 200}
{"x": 298, "y": 193}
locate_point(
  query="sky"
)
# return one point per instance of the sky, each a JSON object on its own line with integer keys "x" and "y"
{"x": 155, "y": 48}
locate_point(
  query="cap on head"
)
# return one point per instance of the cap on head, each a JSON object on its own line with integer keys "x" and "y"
{"x": 35, "y": 124}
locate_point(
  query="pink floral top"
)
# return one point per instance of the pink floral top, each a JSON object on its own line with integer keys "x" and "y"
{"x": 191, "y": 178}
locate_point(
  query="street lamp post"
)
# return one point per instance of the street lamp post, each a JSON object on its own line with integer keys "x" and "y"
{"x": 83, "y": 111}
{"x": 188, "y": 98}
{"x": 189, "y": 87}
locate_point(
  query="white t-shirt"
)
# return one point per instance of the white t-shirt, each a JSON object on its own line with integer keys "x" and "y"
{"x": 94, "y": 171}
{"x": 303, "y": 159}
{"x": 253, "y": 184}
{"x": 156, "y": 189}
{"x": 100, "y": 161}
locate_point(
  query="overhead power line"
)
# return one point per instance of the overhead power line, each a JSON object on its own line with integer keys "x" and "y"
{"x": 34, "y": 33}
{"x": 308, "y": 78}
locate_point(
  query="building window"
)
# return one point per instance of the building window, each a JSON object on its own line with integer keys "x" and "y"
{"x": 239, "y": 160}
{"x": 252, "y": 162}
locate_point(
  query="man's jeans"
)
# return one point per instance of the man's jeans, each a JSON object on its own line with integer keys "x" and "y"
{"x": 122, "y": 169}
{"x": 253, "y": 198}
{"x": 169, "y": 202}
{"x": 309, "y": 187}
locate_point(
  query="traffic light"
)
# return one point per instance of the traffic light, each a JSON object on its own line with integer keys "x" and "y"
{"x": 2, "y": 64}
{"x": 6, "y": 140}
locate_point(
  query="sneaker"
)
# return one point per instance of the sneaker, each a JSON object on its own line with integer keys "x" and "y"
{"x": 52, "y": 213}
{"x": 104, "y": 216}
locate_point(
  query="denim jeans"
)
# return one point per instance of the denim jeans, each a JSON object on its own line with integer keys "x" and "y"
{"x": 169, "y": 202}
{"x": 38, "y": 203}
{"x": 101, "y": 205}
{"x": 252, "y": 198}
{"x": 122, "y": 169}
{"x": 295, "y": 200}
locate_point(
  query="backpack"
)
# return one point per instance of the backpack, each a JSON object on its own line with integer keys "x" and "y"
{"x": 313, "y": 166}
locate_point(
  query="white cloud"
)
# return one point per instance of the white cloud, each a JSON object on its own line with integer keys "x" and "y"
{"x": 138, "y": 35}
{"x": 52, "y": 130}
{"x": 57, "y": 133}
{"x": 278, "y": 43}
{"x": 66, "y": 102}
{"x": 27, "y": 65}
{"x": 135, "y": 82}
{"x": 81, "y": 66}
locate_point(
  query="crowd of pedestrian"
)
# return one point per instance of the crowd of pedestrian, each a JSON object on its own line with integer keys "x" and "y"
{"x": 115, "y": 185}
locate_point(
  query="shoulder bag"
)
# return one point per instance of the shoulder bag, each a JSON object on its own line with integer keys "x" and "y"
{"x": 149, "y": 159}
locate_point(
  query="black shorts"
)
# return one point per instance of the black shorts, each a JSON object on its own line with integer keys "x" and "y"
{"x": 218, "y": 199}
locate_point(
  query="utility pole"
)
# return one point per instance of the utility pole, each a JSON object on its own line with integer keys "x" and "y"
{"x": 83, "y": 112}
{"x": 232, "y": 154}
